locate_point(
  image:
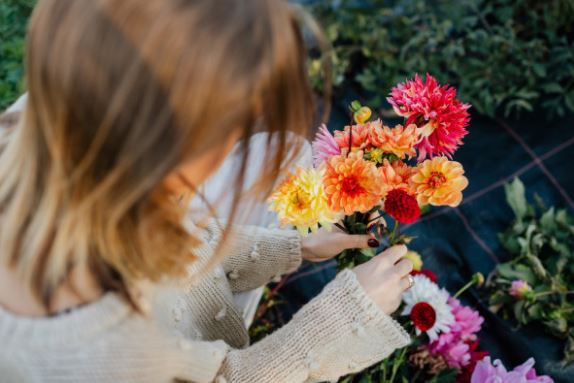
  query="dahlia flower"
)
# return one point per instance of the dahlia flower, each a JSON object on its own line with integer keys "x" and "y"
{"x": 360, "y": 135}
{"x": 399, "y": 140}
{"x": 466, "y": 371}
{"x": 425, "y": 273}
{"x": 301, "y": 201}
{"x": 352, "y": 184}
{"x": 396, "y": 175}
{"x": 454, "y": 346}
{"x": 439, "y": 182}
{"x": 520, "y": 289}
{"x": 402, "y": 206}
{"x": 427, "y": 305}
{"x": 440, "y": 117}
{"x": 488, "y": 372}
{"x": 324, "y": 146}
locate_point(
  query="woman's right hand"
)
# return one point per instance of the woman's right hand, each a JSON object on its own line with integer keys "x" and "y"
{"x": 385, "y": 277}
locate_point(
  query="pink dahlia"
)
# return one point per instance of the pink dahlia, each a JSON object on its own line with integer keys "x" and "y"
{"x": 485, "y": 372}
{"x": 440, "y": 117}
{"x": 324, "y": 146}
{"x": 455, "y": 345}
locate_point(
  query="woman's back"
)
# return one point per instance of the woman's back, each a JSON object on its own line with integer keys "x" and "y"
{"x": 105, "y": 341}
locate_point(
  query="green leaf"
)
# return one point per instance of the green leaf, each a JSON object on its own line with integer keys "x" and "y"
{"x": 516, "y": 198}
{"x": 553, "y": 87}
{"x": 548, "y": 221}
{"x": 511, "y": 272}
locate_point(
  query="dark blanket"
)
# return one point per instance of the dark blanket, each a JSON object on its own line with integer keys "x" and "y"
{"x": 455, "y": 243}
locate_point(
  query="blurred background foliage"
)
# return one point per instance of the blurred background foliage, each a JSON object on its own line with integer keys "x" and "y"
{"x": 14, "y": 15}
{"x": 505, "y": 56}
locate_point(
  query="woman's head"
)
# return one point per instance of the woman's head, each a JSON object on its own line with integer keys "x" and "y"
{"x": 122, "y": 95}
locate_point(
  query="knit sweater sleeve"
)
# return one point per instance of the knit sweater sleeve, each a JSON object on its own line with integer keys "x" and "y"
{"x": 339, "y": 332}
{"x": 258, "y": 255}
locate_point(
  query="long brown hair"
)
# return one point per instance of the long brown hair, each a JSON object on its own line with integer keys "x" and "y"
{"x": 121, "y": 93}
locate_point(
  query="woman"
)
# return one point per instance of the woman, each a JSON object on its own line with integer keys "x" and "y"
{"x": 102, "y": 276}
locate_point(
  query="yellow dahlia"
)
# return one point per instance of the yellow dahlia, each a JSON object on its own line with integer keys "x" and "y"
{"x": 352, "y": 184}
{"x": 399, "y": 140}
{"x": 395, "y": 175}
{"x": 301, "y": 201}
{"x": 439, "y": 182}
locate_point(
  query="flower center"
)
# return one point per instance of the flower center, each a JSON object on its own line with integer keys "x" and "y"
{"x": 436, "y": 180}
{"x": 351, "y": 186}
{"x": 300, "y": 199}
{"x": 423, "y": 316}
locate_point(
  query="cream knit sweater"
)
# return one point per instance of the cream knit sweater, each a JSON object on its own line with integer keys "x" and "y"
{"x": 194, "y": 333}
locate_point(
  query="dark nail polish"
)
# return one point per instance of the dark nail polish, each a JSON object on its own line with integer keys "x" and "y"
{"x": 373, "y": 242}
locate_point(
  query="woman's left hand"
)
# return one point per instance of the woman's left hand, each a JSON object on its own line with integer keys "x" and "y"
{"x": 324, "y": 245}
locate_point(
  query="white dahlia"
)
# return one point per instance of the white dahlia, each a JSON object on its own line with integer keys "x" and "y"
{"x": 427, "y": 305}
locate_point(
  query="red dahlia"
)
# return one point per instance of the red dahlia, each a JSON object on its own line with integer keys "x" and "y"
{"x": 427, "y": 273}
{"x": 423, "y": 316}
{"x": 402, "y": 206}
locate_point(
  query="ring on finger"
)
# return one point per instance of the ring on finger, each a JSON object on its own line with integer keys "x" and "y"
{"x": 411, "y": 281}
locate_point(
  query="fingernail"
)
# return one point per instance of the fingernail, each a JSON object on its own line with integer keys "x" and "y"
{"x": 372, "y": 242}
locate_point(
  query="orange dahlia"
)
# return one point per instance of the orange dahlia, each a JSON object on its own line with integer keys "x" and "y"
{"x": 395, "y": 175}
{"x": 399, "y": 140}
{"x": 352, "y": 184}
{"x": 360, "y": 135}
{"x": 439, "y": 182}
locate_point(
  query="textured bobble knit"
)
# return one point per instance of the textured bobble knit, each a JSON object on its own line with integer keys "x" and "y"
{"x": 194, "y": 332}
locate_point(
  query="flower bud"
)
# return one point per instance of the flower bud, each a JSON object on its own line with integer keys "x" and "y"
{"x": 362, "y": 115}
{"x": 478, "y": 279}
{"x": 520, "y": 289}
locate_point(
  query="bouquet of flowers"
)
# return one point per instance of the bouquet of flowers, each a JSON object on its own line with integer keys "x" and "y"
{"x": 369, "y": 173}
{"x": 445, "y": 342}
{"x": 369, "y": 170}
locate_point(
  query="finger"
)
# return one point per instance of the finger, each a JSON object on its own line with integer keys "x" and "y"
{"x": 404, "y": 267}
{"x": 405, "y": 283}
{"x": 393, "y": 254}
{"x": 360, "y": 241}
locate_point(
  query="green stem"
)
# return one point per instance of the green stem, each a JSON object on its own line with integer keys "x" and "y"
{"x": 393, "y": 233}
{"x": 464, "y": 288}
{"x": 384, "y": 371}
{"x": 544, "y": 293}
{"x": 397, "y": 364}
{"x": 342, "y": 227}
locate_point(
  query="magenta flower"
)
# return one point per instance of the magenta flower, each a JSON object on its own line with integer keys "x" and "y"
{"x": 440, "y": 117}
{"x": 487, "y": 372}
{"x": 454, "y": 346}
{"x": 324, "y": 146}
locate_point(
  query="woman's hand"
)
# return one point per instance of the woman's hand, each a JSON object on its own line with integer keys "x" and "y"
{"x": 324, "y": 245}
{"x": 385, "y": 277}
